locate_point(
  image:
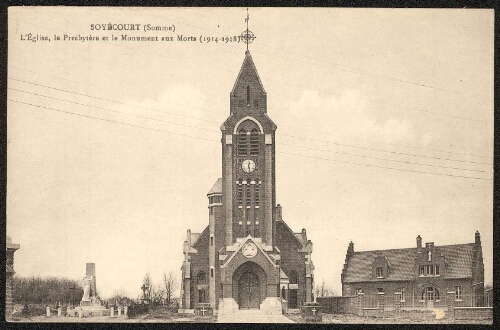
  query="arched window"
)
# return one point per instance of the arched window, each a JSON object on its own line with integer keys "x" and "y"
{"x": 240, "y": 192}
{"x": 430, "y": 294}
{"x": 254, "y": 142}
{"x": 257, "y": 192}
{"x": 248, "y": 94}
{"x": 247, "y": 192}
{"x": 242, "y": 142}
{"x": 293, "y": 277}
{"x": 201, "y": 279}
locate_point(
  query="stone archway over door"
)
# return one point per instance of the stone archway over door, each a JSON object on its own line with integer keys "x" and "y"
{"x": 248, "y": 291}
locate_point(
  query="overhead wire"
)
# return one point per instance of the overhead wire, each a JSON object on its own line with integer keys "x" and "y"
{"x": 212, "y": 130}
{"x": 200, "y": 138}
{"x": 282, "y": 134}
{"x": 300, "y": 128}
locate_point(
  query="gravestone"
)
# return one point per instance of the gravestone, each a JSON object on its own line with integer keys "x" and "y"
{"x": 311, "y": 312}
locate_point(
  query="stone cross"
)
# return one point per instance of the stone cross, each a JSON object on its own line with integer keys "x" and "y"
{"x": 429, "y": 255}
{"x": 144, "y": 287}
{"x": 314, "y": 311}
{"x": 203, "y": 310}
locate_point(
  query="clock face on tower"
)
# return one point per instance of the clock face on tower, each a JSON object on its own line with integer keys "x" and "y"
{"x": 248, "y": 166}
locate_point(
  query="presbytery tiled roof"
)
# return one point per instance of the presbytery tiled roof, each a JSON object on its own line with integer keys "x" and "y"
{"x": 402, "y": 263}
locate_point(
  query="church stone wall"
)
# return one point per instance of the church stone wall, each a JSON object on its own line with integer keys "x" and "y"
{"x": 199, "y": 262}
{"x": 291, "y": 259}
{"x": 220, "y": 236}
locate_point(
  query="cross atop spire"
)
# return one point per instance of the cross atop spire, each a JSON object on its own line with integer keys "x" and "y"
{"x": 247, "y": 35}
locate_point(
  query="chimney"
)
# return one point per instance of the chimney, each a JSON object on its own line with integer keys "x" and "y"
{"x": 419, "y": 243}
{"x": 279, "y": 215}
{"x": 477, "y": 241}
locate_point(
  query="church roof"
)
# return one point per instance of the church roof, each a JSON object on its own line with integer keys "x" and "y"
{"x": 196, "y": 236}
{"x": 402, "y": 263}
{"x": 247, "y": 69}
{"x": 217, "y": 187}
{"x": 299, "y": 237}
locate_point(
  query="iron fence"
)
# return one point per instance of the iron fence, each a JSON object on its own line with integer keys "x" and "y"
{"x": 413, "y": 301}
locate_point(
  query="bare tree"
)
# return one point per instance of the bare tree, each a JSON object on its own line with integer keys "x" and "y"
{"x": 323, "y": 290}
{"x": 157, "y": 294}
{"x": 171, "y": 285}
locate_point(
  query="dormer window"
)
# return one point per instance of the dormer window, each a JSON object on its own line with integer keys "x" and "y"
{"x": 429, "y": 270}
{"x": 380, "y": 266}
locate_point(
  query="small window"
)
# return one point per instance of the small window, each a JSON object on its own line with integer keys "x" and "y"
{"x": 422, "y": 271}
{"x": 211, "y": 272}
{"x": 458, "y": 293}
{"x": 400, "y": 293}
{"x": 437, "y": 271}
{"x": 248, "y": 94}
{"x": 380, "y": 290}
{"x": 211, "y": 240}
{"x": 380, "y": 272}
{"x": 359, "y": 290}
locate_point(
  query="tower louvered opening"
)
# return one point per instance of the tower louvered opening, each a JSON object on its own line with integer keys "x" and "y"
{"x": 242, "y": 142}
{"x": 254, "y": 142}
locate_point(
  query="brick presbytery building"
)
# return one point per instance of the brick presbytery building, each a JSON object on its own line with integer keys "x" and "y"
{"x": 419, "y": 276}
{"x": 247, "y": 257}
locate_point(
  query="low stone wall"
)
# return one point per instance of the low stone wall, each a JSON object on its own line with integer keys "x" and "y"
{"x": 338, "y": 305}
{"x": 373, "y": 312}
{"x": 473, "y": 313}
{"x": 414, "y": 314}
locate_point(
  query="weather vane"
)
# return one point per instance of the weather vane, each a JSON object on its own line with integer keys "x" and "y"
{"x": 247, "y": 35}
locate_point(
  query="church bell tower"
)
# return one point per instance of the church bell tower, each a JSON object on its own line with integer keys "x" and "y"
{"x": 248, "y": 161}
{"x": 247, "y": 257}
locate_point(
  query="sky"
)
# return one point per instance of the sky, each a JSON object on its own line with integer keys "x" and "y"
{"x": 385, "y": 132}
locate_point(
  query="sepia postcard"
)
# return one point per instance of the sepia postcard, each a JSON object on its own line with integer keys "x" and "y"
{"x": 250, "y": 165}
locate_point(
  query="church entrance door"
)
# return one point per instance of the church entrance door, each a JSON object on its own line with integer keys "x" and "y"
{"x": 248, "y": 291}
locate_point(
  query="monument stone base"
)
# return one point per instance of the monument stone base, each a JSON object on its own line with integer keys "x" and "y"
{"x": 227, "y": 306}
{"x": 271, "y": 306}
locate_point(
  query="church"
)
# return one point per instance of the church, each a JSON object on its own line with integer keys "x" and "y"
{"x": 247, "y": 257}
